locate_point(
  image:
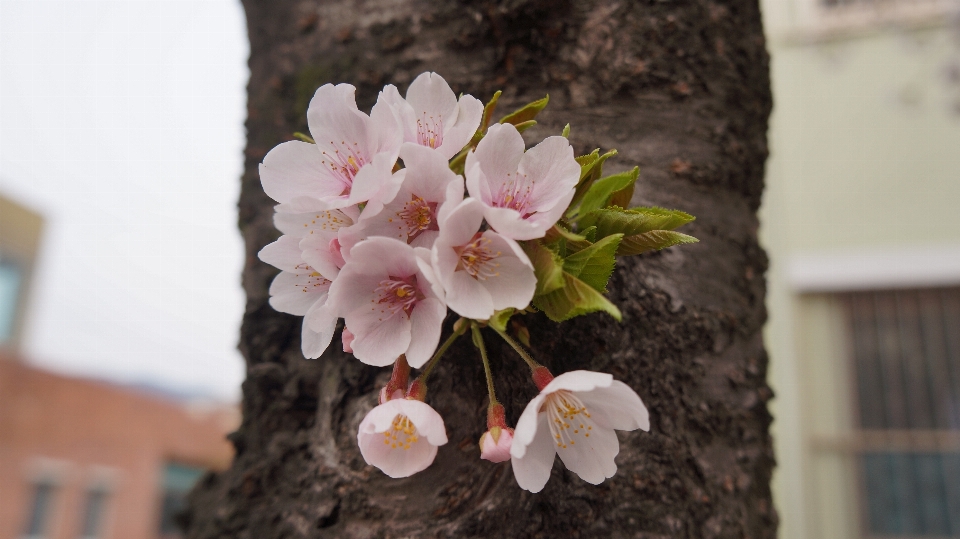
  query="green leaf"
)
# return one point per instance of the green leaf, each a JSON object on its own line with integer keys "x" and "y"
{"x": 523, "y": 126}
{"x": 594, "y": 264}
{"x": 304, "y": 137}
{"x": 566, "y": 131}
{"x": 601, "y": 190}
{"x": 591, "y": 167}
{"x": 558, "y": 232}
{"x": 653, "y": 240}
{"x": 623, "y": 197}
{"x": 574, "y": 298}
{"x": 547, "y": 266}
{"x": 487, "y": 114}
{"x": 500, "y": 318}
{"x": 635, "y": 221}
{"x": 526, "y": 112}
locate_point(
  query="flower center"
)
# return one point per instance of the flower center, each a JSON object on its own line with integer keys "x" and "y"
{"x": 568, "y": 418}
{"x": 402, "y": 435}
{"x": 344, "y": 163}
{"x": 477, "y": 259}
{"x": 515, "y": 193}
{"x": 430, "y": 131}
{"x": 396, "y": 295}
{"x": 418, "y": 215}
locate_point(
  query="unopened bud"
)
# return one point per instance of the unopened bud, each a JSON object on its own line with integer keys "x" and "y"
{"x": 495, "y": 444}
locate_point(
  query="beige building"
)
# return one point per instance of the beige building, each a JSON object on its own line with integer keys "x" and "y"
{"x": 861, "y": 222}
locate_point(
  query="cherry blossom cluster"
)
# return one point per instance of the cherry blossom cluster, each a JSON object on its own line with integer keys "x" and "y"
{"x": 391, "y": 219}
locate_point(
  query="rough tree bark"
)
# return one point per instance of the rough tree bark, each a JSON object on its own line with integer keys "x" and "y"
{"x": 679, "y": 88}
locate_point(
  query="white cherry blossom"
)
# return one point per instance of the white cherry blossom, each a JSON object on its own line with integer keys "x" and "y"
{"x": 401, "y": 436}
{"x": 351, "y": 161}
{"x": 386, "y": 295}
{"x": 574, "y": 416}
{"x": 523, "y": 193}
{"x": 428, "y": 190}
{"x": 481, "y": 272}
{"x": 432, "y": 116}
{"x": 301, "y": 290}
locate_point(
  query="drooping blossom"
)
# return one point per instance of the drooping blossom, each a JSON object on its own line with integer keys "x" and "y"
{"x": 351, "y": 161}
{"x": 495, "y": 444}
{"x": 523, "y": 193}
{"x": 401, "y": 436}
{"x": 481, "y": 272}
{"x": 386, "y": 295}
{"x": 301, "y": 290}
{"x": 574, "y": 416}
{"x": 428, "y": 190}
{"x": 432, "y": 116}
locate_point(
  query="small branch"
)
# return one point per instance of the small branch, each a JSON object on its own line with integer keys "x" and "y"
{"x": 519, "y": 350}
{"x": 478, "y": 341}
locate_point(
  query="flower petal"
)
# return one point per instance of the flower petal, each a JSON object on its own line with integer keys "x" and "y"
{"x": 295, "y": 293}
{"x": 431, "y": 97}
{"x": 498, "y": 153}
{"x": 426, "y": 321}
{"x": 428, "y": 172}
{"x": 428, "y": 422}
{"x": 293, "y": 169}
{"x": 512, "y": 286}
{"x": 468, "y": 297}
{"x": 527, "y": 427}
{"x": 594, "y": 461}
{"x": 284, "y": 254}
{"x": 301, "y": 225}
{"x": 552, "y": 171}
{"x": 379, "y": 341}
{"x": 617, "y": 407}
{"x": 509, "y": 223}
{"x": 396, "y": 462}
{"x": 578, "y": 381}
{"x": 456, "y": 136}
{"x": 319, "y": 325}
{"x": 383, "y": 256}
{"x": 532, "y": 470}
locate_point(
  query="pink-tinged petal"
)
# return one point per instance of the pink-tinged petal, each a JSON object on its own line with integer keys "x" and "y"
{"x": 498, "y": 153}
{"x": 476, "y": 181}
{"x": 527, "y": 427}
{"x": 373, "y": 177}
{"x": 335, "y": 122}
{"x": 403, "y": 111}
{"x": 380, "y": 419}
{"x": 509, "y": 223}
{"x": 428, "y": 172}
{"x": 512, "y": 286}
{"x": 379, "y": 340}
{"x": 284, "y": 254}
{"x": 496, "y": 450}
{"x": 425, "y": 239}
{"x": 426, "y": 323}
{"x": 552, "y": 170}
{"x": 592, "y": 458}
{"x": 319, "y": 325}
{"x": 431, "y": 98}
{"x": 295, "y": 293}
{"x": 451, "y": 198}
{"x": 462, "y": 223}
{"x": 383, "y": 256}
{"x": 617, "y": 407}
{"x": 301, "y": 225}
{"x": 306, "y": 204}
{"x": 316, "y": 252}
{"x": 532, "y": 469}
{"x": 386, "y": 128}
{"x": 428, "y": 422}
{"x": 384, "y": 196}
{"x": 347, "y": 339}
{"x": 295, "y": 169}
{"x": 396, "y": 462}
{"x": 459, "y": 134}
{"x": 353, "y": 290}
{"x": 578, "y": 381}
{"x": 468, "y": 297}
{"x": 444, "y": 260}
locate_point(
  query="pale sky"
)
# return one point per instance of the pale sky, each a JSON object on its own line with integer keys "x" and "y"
{"x": 122, "y": 123}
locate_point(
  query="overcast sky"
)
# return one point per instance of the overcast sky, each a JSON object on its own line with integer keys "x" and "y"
{"x": 122, "y": 123}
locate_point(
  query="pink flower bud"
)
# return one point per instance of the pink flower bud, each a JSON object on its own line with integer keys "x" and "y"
{"x": 347, "y": 340}
{"x": 495, "y": 444}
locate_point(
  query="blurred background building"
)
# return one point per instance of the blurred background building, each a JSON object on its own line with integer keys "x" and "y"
{"x": 862, "y": 225}
{"x": 86, "y": 459}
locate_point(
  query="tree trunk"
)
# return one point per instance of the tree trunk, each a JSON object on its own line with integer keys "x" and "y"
{"x": 680, "y": 89}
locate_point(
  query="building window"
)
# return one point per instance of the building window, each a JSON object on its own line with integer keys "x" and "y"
{"x": 94, "y": 508}
{"x": 905, "y": 348}
{"x": 41, "y": 509}
{"x": 178, "y": 479}
{"x": 10, "y": 277}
